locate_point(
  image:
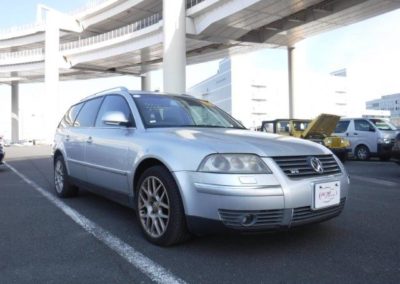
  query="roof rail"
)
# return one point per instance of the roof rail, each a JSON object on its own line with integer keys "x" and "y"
{"x": 113, "y": 89}
{"x": 107, "y": 91}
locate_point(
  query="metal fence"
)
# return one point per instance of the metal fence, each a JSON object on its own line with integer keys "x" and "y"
{"x": 15, "y": 29}
{"x": 22, "y": 54}
{"x": 89, "y": 5}
{"x": 141, "y": 24}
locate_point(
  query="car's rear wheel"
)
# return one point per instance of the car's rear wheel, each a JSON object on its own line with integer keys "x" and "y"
{"x": 362, "y": 153}
{"x": 61, "y": 181}
{"x": 159, "y": 207}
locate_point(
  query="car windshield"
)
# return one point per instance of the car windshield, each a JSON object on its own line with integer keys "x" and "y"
{"x": 382, "y": 125}
{"x": 180, "y": 111}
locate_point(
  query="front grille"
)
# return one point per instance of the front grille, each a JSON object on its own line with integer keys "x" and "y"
{"x": 261, "y": 218}
{"x": 306, "y": 214}
{"x": 299, "y": 166}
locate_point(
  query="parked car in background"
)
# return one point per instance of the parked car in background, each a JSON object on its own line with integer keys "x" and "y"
{"x": 186, "y": 166}
{"x": 368, "y": 137}
{"x": 318, "y": 130}
{"x": 396, "y": 147}
{"x": 2, "y": 152}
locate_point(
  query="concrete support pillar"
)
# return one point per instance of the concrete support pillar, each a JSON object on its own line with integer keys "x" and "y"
{"x": 146, "y": 82}
{"x": 291, "y": 81}
{"x": 14, "y": 112}
{"x": 50, "y": 104}
{"x": 174, "y": 54}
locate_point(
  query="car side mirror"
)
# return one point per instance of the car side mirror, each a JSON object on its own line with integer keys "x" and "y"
{"x": 371, "y": 129}
{"x": 115, "y": 118}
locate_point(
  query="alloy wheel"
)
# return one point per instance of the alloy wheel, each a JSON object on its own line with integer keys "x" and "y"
{"x": 362, "y": 153}
{"x": 59, "y": 176}
{"x": 154, "y": 206}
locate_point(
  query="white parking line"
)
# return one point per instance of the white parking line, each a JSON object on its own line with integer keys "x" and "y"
{"x": 154, "y": 271}
{"x": 374, "y": 180}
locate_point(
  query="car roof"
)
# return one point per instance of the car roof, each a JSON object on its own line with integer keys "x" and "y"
{"x": 132, "y": 92}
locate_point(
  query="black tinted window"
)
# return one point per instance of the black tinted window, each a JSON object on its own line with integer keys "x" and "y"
{"x": 69, "y": 117}
{"x": 88, "y": 113}
{"x": 341, "y": 126}
{"x": 362, "y": 125}
{"x": 113, "y": 103}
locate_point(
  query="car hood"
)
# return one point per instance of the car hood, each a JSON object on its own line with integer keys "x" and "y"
{"x": 242, "y": 141}
{"x": 324, "y": 124}
{"x": 390, "y": 134}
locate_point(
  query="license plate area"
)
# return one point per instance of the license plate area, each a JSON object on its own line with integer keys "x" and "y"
{"x": 326, "y": 194}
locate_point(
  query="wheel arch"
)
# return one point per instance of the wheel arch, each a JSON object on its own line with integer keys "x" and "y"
{"x": 151, "y": 162}
{"x": 56, "y": 154}
{"x": 59, "y": 153}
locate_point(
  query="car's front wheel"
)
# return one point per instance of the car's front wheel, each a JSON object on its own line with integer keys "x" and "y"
{"x": 61, "y": 181}
{"x": 159, "y": 207}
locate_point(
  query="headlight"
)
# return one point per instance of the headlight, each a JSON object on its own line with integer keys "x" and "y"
{"x": 234, "y": 164}
{"x": 384, "y": 140}
{"x": 328, "y": 141}
{"x": 345, "y": 143}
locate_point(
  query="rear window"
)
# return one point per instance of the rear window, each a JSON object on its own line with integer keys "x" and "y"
{"x": 342, "y": 126}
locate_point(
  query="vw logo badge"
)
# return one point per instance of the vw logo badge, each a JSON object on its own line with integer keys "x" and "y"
{"x": 316, "y": 164}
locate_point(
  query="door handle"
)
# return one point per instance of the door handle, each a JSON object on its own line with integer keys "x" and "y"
{"x": 89, "y": 140}
{"x": 355, "y": 133}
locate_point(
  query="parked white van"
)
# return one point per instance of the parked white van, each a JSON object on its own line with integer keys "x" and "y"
{"x": 368, "y": 136}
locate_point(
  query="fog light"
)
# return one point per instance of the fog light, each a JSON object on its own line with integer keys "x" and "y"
{"x": 248, "y": 220}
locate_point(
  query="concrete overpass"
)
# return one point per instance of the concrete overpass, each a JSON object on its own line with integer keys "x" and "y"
{"x": 134, "y": 37}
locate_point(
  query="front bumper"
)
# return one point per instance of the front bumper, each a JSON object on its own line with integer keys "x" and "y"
{"x": 385, "y": 149}
{"x": 396, "y": 151}
{"x": 273, "y": 200}
{"x": 266, "y": 220}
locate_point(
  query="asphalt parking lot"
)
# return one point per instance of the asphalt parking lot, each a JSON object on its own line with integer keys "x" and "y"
{"x": 40, "y": 242}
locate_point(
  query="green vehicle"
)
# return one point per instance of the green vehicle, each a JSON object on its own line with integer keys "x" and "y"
{"x": 318, "y": 130}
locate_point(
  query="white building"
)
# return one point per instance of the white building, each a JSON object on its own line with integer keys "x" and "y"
{"x": 337, "y": 100}
{"x": 388, "y": 102}
{"x": 253, "y": 95}
{"x": 248, "y": 94}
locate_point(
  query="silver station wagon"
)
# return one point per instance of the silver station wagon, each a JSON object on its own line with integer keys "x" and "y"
{"x": 187, "y": 167}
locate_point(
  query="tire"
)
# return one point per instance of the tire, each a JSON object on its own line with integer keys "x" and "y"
{"x": 362, "y": 153}
{"x": 62, "y": 185}
{"x": 159, "y": 207}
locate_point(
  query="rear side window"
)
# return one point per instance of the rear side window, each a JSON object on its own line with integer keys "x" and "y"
{"x": 283, "y": 127}
{"x": 342, "y": 126}
{"x": 70, "y": 116}
{"x": 362, "y": 125}
{"x": 268, "y": 127}
{"x": 113, "y": 103}
{"x": 88, "y": 113}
